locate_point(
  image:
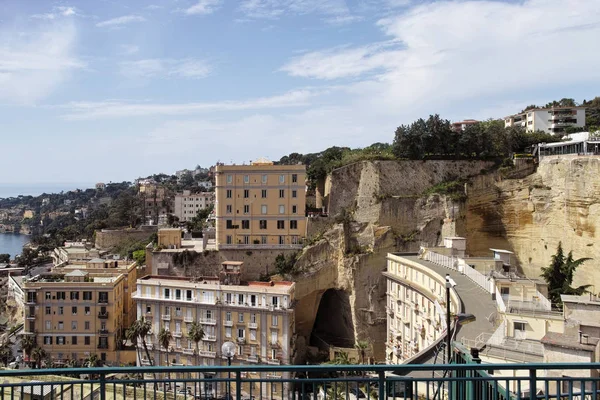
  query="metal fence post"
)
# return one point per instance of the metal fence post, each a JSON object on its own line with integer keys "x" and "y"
{"x": 102, "y": 385}
{"x": 532, "y": 384}
{"x": 382, "y": 388}
{"x": 238, "y": 385}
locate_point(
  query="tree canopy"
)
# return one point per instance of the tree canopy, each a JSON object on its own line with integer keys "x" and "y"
{"x": 559, "y": 275}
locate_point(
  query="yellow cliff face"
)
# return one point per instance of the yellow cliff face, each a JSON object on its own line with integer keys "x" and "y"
{"x": 530, "y": 216}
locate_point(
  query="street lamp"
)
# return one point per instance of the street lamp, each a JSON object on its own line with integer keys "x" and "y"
{"x": 228, "y": 350}
{"x": 449, "y": 284}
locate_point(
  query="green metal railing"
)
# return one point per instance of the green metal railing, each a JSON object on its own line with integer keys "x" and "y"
{"x": 323, "y": 382}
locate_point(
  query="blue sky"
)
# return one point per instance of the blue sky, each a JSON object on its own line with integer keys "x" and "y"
{"x": 112, "y": 90}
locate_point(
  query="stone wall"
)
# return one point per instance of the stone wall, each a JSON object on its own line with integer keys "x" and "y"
{"x": 109, "y": 238}
{"x": 208, "y": 263}
{"x": 530, "y": 216}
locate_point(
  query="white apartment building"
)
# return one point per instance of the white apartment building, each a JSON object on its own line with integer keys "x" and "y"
{"x": 257, "y": 316}
{"x": 550, "y": 120}
{"x": 187, "y": 204}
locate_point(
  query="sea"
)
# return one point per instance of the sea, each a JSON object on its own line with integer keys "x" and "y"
{"x": 36, "y": 189}
{"x": 12, "y": 243}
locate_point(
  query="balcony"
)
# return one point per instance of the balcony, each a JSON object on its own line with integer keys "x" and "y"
{"x": 177, "y": 334}
{"x": 209, "y": 354}
{"x": 209, "y": 338}
{"x": 103, "y": 346}
{"x": 252, "y": 325}
{"x": 188, "y": 320}
{"x": 241, "y": 340}
{"x": 103, "y": 300}
{"x": 30, "y": 301}
{"x": 510, "y": 381}
{"x": 273, "y": 361}
{"x": 150, "y": 346}
{"x": 275, "y": 345}
{"x": 228, "y": 323}
{"x": 253, "y": 358}
{"x": 102, "y": 331}
{"x": 30, "y": 316}
{"x": 189, "y": 352}
{"x": 208, "y": 321}
{"x": 103, "y": 314}
{"x": 165, "y": 317}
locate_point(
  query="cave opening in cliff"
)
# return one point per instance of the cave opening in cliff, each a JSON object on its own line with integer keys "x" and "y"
{"x": 333, "y": 323}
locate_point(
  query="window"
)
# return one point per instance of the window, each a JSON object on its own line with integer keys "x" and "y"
{"x": 281, "y": 193}
{"x": 281, "y": 209}
{"x": 167, "y": 310}
{"x": 48, "y": 295}
{"x": 274, "y": 320}
{"x": 263, "y": 240}
{"x": 281, "y": 178}
{"x": 102, "y": 297}
{"x": 245, "y": 224}
{"x": 294, "y": 193}
{"x": 253, "y": 315}
{"x": 229, "y": 193}
{"x": 246, "y": 208}
{"x": 87, "y": 310}
{"x": 61, "y": 296}
{"x": 264, "y": 179}
{"x": 294, "y": 178}
{"x": 86, "y": 325}
{"x": 241, "y": 333}
{"x": 61, "y": 310}
{"x": 73, "y": 325}
{"x": 253, "y": 335}
{"x": 228, "y": 297}
{"x": 177, "y": 294}
{"x": 48, "y": 325}
{"x": 275, "y": 301}
{"x": 273, "y": 337}
{"x": 86, "y": 340}
{"x": 74, "y": 310}
{"x": 293, "y": 224}
{"x": 246, "y": 193}
{"x": 61, "y": 325}
{"x": 178, "y": 313}
{"x": 87, "y": 296}
{"x": 228, "y": 208}
{"x": 228, "y": 332}
{"x": 240, "y": 299}
{"x": 281, "y": 239}
{"x": 294, "y": 209}
{"x": 73, "y": 339}
{"x": 229, "y": 224}
{"x": 47, "y": 339}
{"x": 229, "y": 239}
{"x": 246, "y": 239}
{"x": 246, "y": 178}
{"x": 74, "y": 295}
{"x": 228, "y": 316}
{"x": 295, "y": 239}
{"x": 263, "y": 209}
{"x": 263, "y": 193}
{"x": 188, "y": 295}
{"x": 280, "y": 224}
{"x": 273, "y": 354}
{"x": 241, "y": 317}
{"x": 262, "y": 224}
{"x": 48, "y": 311}
{"x": 167, "y": 293}
{"x": 229, "y": 178}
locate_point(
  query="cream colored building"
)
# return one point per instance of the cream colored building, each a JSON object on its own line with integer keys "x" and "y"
{"x": 76, "y": 314}
{"x": 257, "y": 316}
{"x": 260, "y": 205}
{"x": 553, "y": 120}
{"x": 188, "y": 204}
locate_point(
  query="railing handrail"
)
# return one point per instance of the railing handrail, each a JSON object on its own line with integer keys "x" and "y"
{"x": 396, "y": 368}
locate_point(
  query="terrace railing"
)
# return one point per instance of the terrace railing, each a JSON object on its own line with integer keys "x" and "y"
{"x": 303, "y": 382}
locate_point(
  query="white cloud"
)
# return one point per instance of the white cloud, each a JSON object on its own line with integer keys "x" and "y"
{"x": 119, "y": 21}
{"x": 461, "y": 50}
{"x": 56, "y": 13}
{"x": 129, "y": 49}
{"x": 33, "y": 65}
{"x": 161, "y": 67}
{"x": 334, "y": 11}
{"x": 120, "y": 109}
{"x": 203, "y": 7}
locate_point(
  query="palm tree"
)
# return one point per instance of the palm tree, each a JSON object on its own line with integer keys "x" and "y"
{"x": 196, "y": 334}
{"x": 92, "y": 361}
{"x": 27, "y": 345}
{"x": 132, "y": 336}
{"x": 5, "y": 353}
{"x": 164, "y": 339}
{"x": 38, "y": 354}
{"x": 362, "y": 346}
{"x": 142, "y": 328}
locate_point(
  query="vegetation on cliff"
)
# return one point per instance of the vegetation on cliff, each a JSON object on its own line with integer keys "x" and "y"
{"x": 559, "y": 276}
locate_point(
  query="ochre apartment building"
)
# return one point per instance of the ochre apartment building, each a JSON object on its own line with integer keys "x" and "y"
{"x": 260, "y": 205}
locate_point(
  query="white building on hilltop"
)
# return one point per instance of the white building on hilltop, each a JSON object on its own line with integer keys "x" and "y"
{"x": 187, "y": 204}
{"x": 553, "y": 120}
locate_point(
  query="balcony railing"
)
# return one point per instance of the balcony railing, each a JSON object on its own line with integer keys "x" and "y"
{"x": 209, "y": 354}
{"x": 469, "y": 381}
{"x": 165, "y": 317}
{"x": 210, "y": 338}
{"x": 228, "y": 323}
{"x": 103, "y": 345}
{"x": 188, "y": 351}
{"x": 177, "y": 334}
{"x": 188, "y": 320}
{"x": 208, "y": 321}
{"x": 252, "y": 325}
{"x": 103, "y": 315}
{"x": 103, "y": 331}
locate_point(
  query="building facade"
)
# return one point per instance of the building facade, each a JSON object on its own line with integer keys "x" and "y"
{"x": 260, "y": 205}
{"x": 257, "y": 316}
{"x": 460, "y": 126}
{"x": 187, "y": 204}
{"x": 77, "y": 314}
{"x": 550, "y": 120}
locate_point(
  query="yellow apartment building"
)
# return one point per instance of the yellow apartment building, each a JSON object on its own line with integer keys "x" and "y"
{"x": 257, "y": 316}
{"x": 260, "y": 205}
{"x": 112, "y": 267}
{"x": 78, "y": 313}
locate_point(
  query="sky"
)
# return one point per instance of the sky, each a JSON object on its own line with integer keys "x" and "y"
{"x": 111, "y": 90}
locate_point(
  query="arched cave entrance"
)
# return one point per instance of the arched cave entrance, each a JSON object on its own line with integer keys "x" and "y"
{"x": 333, "y": 323}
